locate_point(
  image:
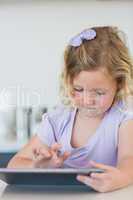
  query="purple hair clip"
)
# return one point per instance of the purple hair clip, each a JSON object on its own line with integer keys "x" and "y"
{"x": 88, "y": 34}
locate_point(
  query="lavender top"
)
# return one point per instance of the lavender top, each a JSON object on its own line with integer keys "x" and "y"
{"x": 57, "y": 125}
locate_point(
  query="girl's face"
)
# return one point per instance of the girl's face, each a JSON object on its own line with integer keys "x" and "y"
{"x": 93, "y": 92}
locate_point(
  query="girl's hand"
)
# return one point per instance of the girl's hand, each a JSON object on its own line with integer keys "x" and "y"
{"x": 112, "y": 179}
{"x": 49, "y": 158}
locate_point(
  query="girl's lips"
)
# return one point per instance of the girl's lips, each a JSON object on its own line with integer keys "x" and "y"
{"x": 88, "y": 108}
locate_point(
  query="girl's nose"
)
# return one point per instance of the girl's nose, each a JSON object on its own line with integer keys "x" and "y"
{"x": 88, "y": 100}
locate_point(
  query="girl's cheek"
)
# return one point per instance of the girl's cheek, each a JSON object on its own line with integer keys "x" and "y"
{"x": 105, "y": 101}
{"x": 102, "y": 102}
{"x": 77, "y": 97}
{"x": 77, "y": 100}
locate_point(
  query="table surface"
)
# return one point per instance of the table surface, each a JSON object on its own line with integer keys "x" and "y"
{"x": 38, "y": 192}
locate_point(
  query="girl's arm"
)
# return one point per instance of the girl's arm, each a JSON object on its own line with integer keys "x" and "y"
{"x": 115, "y": 177}
{"x": 24, "y": 158}
{"x": 37, "y": 155}
{"x": 125, "y": 149}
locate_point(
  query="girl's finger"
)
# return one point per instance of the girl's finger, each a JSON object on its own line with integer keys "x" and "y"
{"x": 65, "y": 155}
{"x": 41, "y": 153}
{"x": 89, "y": 182}
{"x": 101, "y": 166}
{"x": 45, "y": 152}
{"x": 59, "y": 159}
{"x": 56, "y": 147}
{"x": 99, "y": 176}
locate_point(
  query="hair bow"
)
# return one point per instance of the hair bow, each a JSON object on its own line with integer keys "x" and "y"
{"x": 88, "y": 34}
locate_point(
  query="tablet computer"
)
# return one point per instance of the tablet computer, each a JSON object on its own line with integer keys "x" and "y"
{"x": 58, "y": 176}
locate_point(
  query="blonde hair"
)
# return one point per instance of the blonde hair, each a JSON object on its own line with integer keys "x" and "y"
{"x": 107, "y": 50}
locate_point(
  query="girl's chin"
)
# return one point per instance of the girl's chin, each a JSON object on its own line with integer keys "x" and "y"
{"x": 89, "y": 113}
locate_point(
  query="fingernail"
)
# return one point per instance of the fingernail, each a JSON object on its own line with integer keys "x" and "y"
{"x": 79, "y": 178}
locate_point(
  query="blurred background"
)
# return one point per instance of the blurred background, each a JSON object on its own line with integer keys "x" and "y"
{"x": 33, "y": 35}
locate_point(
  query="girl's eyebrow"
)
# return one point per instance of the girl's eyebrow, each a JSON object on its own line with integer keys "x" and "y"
{"x": 99, "y": 89}
{"x": 93, "y": 89}
{"x": 78, "y": 86}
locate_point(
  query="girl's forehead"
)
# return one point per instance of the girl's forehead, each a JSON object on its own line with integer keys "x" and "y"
{"x": 97, "y": 75}
{"x": 93, "y": 78}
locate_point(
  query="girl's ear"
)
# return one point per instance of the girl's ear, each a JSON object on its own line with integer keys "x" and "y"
{"x": 121, "y": 84}
{"x": 119, "y": 91}
{"x": 119, "y": 87}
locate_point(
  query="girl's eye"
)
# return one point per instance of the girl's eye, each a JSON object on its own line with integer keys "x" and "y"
{"x": 101, "y": 93}
{"x": 78, "y": 90}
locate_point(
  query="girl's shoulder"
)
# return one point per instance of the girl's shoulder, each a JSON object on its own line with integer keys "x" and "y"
{"x": 59, "y": 114}
{"x": 121, "y": 112}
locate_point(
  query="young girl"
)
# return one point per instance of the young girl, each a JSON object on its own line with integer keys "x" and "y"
{"x": 94, "y": 128}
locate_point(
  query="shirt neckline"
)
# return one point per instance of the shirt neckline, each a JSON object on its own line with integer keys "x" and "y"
{"x": 94, "y": 136}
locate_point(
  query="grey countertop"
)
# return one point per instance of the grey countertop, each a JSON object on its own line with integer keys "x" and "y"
{"x": 38, "y": 193}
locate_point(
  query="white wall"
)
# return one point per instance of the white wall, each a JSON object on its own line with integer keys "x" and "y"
{"x": 33, "y": 35}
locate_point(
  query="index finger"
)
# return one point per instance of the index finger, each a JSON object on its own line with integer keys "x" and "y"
{"x": 56, "y": 147}
{"x": 65, "y": 155}
{"x": 41, "y": 152}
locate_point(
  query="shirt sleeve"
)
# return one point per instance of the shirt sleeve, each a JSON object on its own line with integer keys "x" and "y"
{"x": 127, "y": 116}
{"x": 46, "y": 131}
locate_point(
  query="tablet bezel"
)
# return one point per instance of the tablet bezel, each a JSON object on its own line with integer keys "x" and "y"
{"x": 52, "y": 170}
{"x": 37, "y": 176}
